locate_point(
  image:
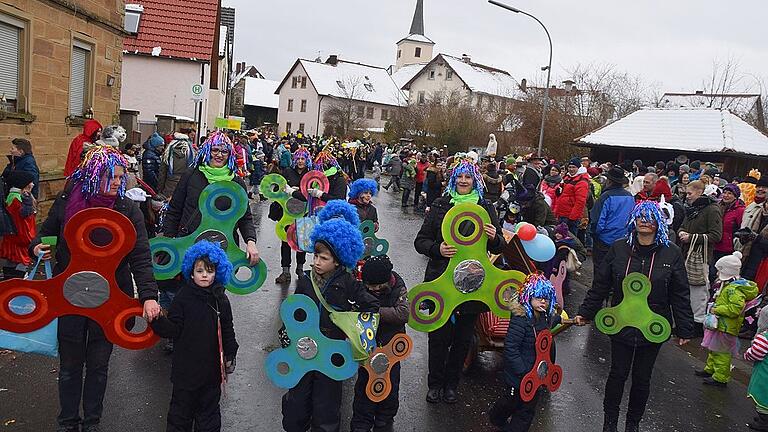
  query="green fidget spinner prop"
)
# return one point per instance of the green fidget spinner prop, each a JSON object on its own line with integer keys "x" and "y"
{"x": 470, "y": 275}
{"x": 273, "y": 187}
{"x": 216, "y": 225}
{"x": 633, "y": 311}
{"x": 374, "y": 246}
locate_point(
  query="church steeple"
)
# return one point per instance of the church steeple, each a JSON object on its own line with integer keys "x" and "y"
{"x": 416, "y": 48}
{"x": 417, "y": 26}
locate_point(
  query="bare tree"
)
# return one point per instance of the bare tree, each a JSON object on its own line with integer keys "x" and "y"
{"x": 343, "y": 114}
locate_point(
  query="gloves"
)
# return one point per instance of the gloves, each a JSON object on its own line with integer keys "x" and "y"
{"x": 282, "y": 334}
{"x": 317, "y": 193}
{"x": 229, "y": 366}
{"x": 289, "y": 189}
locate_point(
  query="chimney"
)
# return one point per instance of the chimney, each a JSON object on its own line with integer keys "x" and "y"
{"x": 333, "y": 60}
{"x": 568, "y": 85}
{"x": 466, "y": 58}
{"x": 524, "y": 85}
{"x": 238, "y": 68}
{"x": 699, "y": 92}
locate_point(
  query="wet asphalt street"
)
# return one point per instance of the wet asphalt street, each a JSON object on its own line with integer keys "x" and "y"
{"x": 139, "y": 388}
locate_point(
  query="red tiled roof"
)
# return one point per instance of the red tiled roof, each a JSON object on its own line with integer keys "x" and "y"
{"x": 182, "y": 28}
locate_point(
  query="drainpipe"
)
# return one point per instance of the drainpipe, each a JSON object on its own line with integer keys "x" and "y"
{"x": 200, "y": 106}
{"x": 319, "y": 104}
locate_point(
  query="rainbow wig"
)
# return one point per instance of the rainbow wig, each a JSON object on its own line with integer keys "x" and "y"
{"x": 538, "y": 286}
{"x": 218, "y": 139}
{"x": 649, "y": 211}
{"x": 302, "y": 152}
{"x": 325, "y": 161}
{"x": 215, "y": 254}
{"x": 362, "y": 185}
{"x": 339, "y": 231}
{"x": 466, "y": 166}
{"x": 100, "y": 160}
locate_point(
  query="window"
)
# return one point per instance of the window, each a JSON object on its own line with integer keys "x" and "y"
{"x": 360, "y": 111}
{"x": 303, "y": 107}
{"x": 11, "y": 55}
{"x": 384, "y": 114}
{"x": 290, "y": 105}
{"x": 399, "y": 53}
{"x": 432, "y": 74}
{"x": 288, "y": 127}
{"x": 448, "y": 75}
{"x": 418, "y": 52}
{"x": 369, "y": 87}
{"x": 303, "y": 82}
{"x": 294, "y": 82}
{"x": 422, "y": 98}
{"x": 79, "y": 79}
{"x": 301, "y": 127}
{"x": 369, "y": 113}
{"x": 132, "y": 17}
{"x": 341, "y": 85}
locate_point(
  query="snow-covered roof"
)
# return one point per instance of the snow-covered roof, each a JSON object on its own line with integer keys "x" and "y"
{"x": 358, "y": 81}
{"x": 418, "y": 38}
{"x": 406, "y": 73}
{"x": 740, "y": 104}
{"x": 682, "y": 129}
{"x": 261, "y": 92}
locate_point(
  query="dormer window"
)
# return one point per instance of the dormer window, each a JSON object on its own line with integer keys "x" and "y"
{"x": 369, "y": 87}
{"x": 341, "y": 85}
{"x": 133, "y": 17}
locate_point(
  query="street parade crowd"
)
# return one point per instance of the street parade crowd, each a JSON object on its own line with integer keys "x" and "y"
{"x": 693, "y": 237}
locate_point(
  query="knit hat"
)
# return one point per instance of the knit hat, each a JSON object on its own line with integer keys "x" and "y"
{"x": 377, "y": 270}
{"x": 562, "y": 229}
{"x": 575, "y": 162}
{"x": 732, "y": 188}
{"x": 593, "y": 171}
{"x": 20, "y": 179}
{"x": 684, "y": 169}
{"x": 729, "y": 266}
{"x": 215, "y": 254}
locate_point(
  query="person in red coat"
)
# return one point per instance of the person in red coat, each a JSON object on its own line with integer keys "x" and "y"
{"x": 91, "y": 131}
{"x": 572, "y": 199}
{"x": 21, "y": 207}
{"x": 421, "y": 174}
{"x": 733, "y": 213}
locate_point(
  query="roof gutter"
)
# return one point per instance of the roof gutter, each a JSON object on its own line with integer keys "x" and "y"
{"x": 319, "y": 105}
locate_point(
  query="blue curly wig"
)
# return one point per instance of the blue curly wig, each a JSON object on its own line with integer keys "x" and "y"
{"x": 363, "y": 185}
{"x": 302, "y": 152}
{"x": 343, "y": 239}
{"x": 339, "y": 209}
{"x": 466, "y": 166}
{"x": 214, "y": 253}
{"x": 649, "y": 211}
{"x": 218, "y": 139}
{"x": 538, "y": 286}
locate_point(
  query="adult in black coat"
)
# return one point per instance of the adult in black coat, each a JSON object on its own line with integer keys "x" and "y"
{"x": 448, "y": 346}
{"x": 22, "y": 159}
{"x": 82, "y": 342}
{"x": 654, "y": 256}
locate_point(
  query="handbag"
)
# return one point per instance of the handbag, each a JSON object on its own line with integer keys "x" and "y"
{"x": 305, "y": 226}
{"x": 710, "y": 320}
{"x": 43, "y": 341}
{"x": 696, "y": 261}
{"x": 360, "y": 327}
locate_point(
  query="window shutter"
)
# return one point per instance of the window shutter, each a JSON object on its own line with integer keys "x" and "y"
{"x": 77, "y": 81}
{"x": 9, "y": 61}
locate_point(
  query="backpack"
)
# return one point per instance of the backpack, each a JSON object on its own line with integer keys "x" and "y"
{"x": 591, "y": 195}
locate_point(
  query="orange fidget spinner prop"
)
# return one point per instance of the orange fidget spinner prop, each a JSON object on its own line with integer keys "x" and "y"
{"x": 544, "y": 372}
{"x": 81, "y": 289}
{"x": 380, "y": 364}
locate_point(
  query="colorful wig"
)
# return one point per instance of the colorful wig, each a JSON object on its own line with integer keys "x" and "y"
{"x": 466, "y": 166}
{"x": 363, "y": 185}
{"x": 100, "y": 160}
{"x": 339, "y": 209}
{"x": 302, "y": 152}
{"x": 215, "y": 254}
{"x": 339, "y": 231}
{"x": 649, "y": 211}
{"x": 325, "y": 161}
{"x": 538, "y": 286}
{"x": 217, "y": 139}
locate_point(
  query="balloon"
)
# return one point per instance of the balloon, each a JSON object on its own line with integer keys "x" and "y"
{"x": 519, "y": 225}
{"x": 526, "y": 232}
{"x": 540, "y": 249}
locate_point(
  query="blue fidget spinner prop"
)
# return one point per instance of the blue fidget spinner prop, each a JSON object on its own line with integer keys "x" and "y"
{"x": 309, "y": 350}
{"x": 374, "y": 246}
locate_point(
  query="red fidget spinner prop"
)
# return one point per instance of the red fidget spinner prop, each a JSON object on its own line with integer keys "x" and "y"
{"x": 380, "y": 363}
{"x": 80, "y": 289}
{"x": 314, "y": 180}
{"x": 544, "y": 372}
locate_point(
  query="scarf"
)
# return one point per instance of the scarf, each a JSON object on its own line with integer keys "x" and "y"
{"x": 472, "y": 197}
{"x": 216, "y": 174}
{"x": 78, "y": 201}
{"x": 693, "y": 210}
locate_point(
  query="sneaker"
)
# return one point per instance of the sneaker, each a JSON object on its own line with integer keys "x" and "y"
{"x": 702, "y": 373}
{"x": 284, "y": 277}
{"x": 434, "y": 395}
{"x": 714, "y": 383}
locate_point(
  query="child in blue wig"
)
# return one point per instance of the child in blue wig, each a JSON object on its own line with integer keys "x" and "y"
{"x": 534, "y": 312}
{"x": 361, "y": 191}
{"x": 315, "y": 402}
{"x": 200, "y": 323}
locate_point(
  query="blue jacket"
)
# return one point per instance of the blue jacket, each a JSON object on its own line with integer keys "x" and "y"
{"x": 520, "y": 344}
{"x": 610, "y": 214}
{"x": 26, "y": 163}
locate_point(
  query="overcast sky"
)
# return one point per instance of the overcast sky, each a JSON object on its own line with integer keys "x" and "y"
{"x": 669, "y": 42}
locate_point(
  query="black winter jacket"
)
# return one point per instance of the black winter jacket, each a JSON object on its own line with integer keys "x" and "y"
{"x": 136, "y": 266}
{"x": 669, "y": 295}
{"x": 343, "y": 293}
{"x": 25, "y": 162}
{"x": 150, "y": 166}
{"x": 366, "y": 211}
{"x": 184, "y": 215}
{"x": 393, "y": 308}
{"x": 538, "y": 212}
{"x": 520, "y": 344}
{"x": 337, "y": 189}
{"x": 192, "y": 323}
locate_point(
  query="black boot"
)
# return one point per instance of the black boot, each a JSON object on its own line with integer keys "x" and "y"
{"x": 610, "y": 423}
{"x": 632, "y": 426}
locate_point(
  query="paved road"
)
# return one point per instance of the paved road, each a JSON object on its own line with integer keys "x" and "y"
{"x": 139, "y": 388}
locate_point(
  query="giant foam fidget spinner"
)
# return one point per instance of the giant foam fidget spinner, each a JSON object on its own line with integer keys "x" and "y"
{"x": 87, "y": 287}
{"x": 380, "y": 364}
{"x": 374, "y": 246}
{"x": 469, "y": 275}
{"x": 216, "y": 225}
{"x": 544, "y": 372}
{"x": 633, "y": 311}
{"x": 309, "y": 350}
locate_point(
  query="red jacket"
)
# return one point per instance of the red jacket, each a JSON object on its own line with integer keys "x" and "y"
{"x": 14, "y": 247}
{"x": 421, "y": 171}
{"x": 732, "y": 216}
{"x": 573, "y": 197}
{"x": 75, "y": 154}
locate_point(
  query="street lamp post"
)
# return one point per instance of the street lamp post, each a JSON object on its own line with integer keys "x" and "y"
{"x": 548, "y": 67}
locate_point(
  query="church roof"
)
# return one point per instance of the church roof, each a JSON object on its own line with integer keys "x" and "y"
{"x": 417, "y": 26}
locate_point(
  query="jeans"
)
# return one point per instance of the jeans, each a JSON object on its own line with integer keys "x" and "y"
{"x": 448, "y": 347}
{"x": 626, "y": 359}
{"x": 521, "y": 413}
{"x": 82, "y": 343}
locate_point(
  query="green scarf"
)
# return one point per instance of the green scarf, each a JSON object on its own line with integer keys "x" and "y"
{"x": 216, "y": 174}
{"x": 12, "y": 195}
{"x": 472, "y": 197}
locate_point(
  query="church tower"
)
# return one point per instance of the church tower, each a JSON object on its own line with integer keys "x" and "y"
{"x": 416, "y": 47}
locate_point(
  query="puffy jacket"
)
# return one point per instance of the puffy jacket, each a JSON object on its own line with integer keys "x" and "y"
{"x": 669, "y": 286}
{"x": 393, "y": 308}
{"x": 520, "y": 344}
{"x": 25, "y": 163}
{"x": 729, "y": 304}
{"x": 704, "y": 217}
{"x": 395, "y": 166}
{"x": 573, "y": 197}
{"x": 492, "y": 186}
{"x": 366, "y": 211}
{"x": 421, "y": 171}
{"x": 150, "y": 161}
{"x": 732, "y": 217}
{"x": 537, "y": 212}
{"x": 75, "y": 153}
{"x": 609, "y": 216}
